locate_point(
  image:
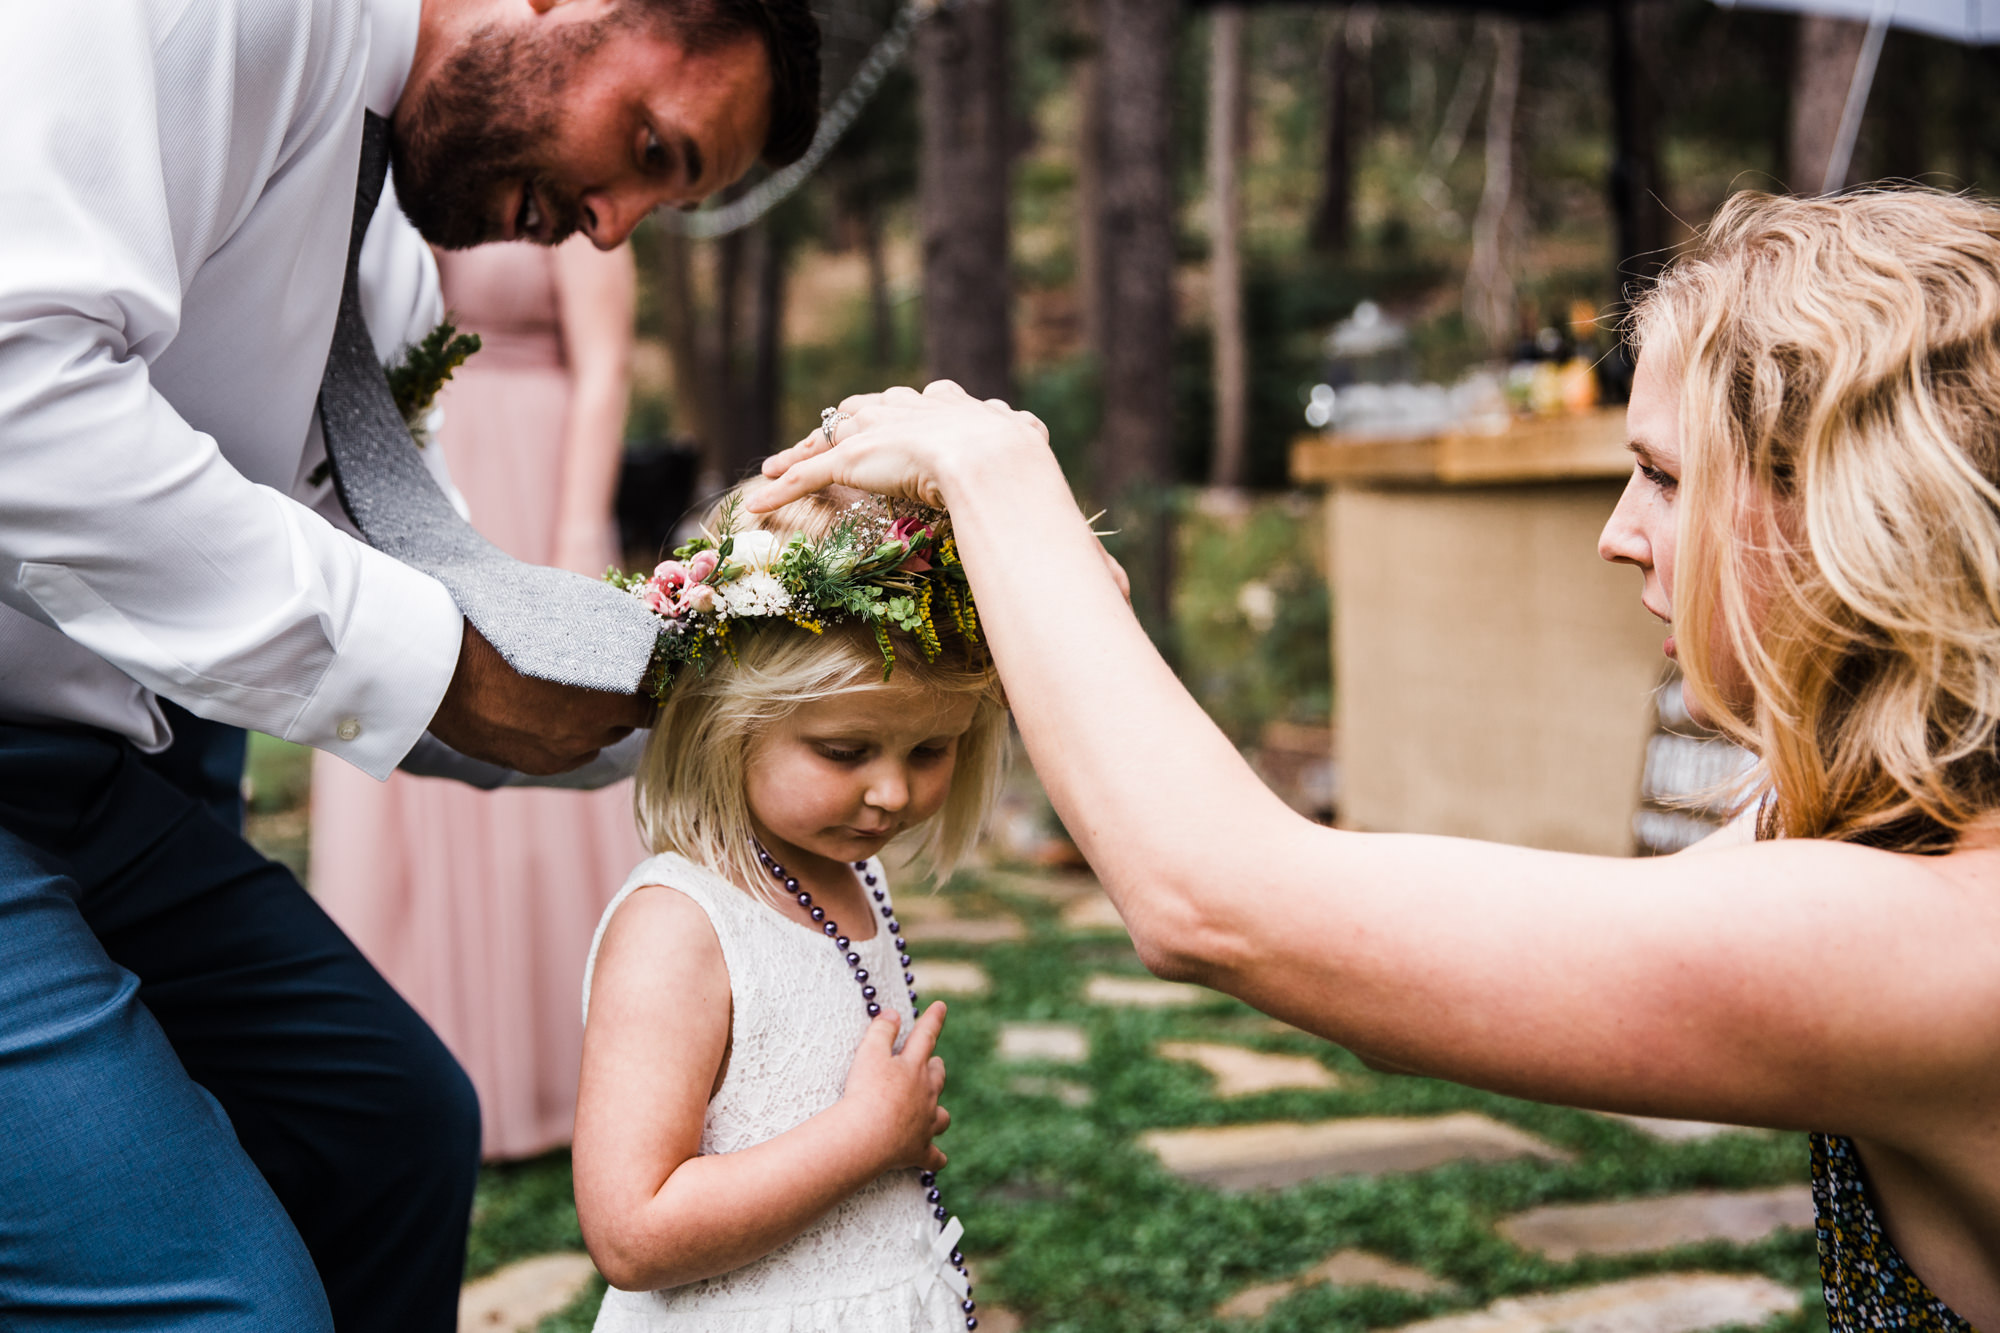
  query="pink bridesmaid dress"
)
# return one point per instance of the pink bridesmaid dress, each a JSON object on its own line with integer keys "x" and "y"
{"x": 479, "y": 906}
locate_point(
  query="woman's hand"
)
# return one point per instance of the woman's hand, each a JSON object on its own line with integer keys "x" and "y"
{"x": 894, "y": 1093}
{"x": 904, "y": 443}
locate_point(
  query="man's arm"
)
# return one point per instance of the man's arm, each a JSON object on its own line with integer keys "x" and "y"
{"x": 121, "y": 524}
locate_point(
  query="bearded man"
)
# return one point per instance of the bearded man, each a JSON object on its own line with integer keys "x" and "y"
{"x": 216, "y": 1115}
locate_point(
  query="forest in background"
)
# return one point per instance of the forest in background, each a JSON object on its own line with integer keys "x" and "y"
{"x": 1031, "y": 204}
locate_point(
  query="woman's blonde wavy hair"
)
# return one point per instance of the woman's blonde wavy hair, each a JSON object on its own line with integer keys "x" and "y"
{"x": 689, "y": 794}
{"x": 1839, "y": 516}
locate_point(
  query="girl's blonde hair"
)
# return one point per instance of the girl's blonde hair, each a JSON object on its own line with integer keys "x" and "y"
{"x": 689, "y": 793}
{"x": 1839, "y": 520}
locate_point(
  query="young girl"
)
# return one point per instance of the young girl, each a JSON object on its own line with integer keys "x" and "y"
{"x": 758, "y": 1100}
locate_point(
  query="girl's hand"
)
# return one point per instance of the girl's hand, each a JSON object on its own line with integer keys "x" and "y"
{"x": 901, "y": 443}
{"x": 894, "y": 1094}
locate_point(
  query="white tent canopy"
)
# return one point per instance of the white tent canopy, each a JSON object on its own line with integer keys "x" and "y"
{"x": 1974, "y": 22}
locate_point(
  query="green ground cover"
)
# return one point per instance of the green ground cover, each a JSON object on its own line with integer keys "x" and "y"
{"x": 1076, "y": 1228}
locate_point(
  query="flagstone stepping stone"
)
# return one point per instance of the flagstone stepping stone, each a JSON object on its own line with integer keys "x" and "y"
{"x": 1342, "y": 1268}
{"x": 1092, "y": 914}
{"x": 936, "y": 977}
{"x": 1239, "y": 1071}
{"x": 924, "y": 908}
{"x": 971, "y": 930}
{"x": 1069, "y": 1092}
{"x": 935, "y": 920}
{"x": 1143, "y": 992}
{"x": 1663, "y": 1303}
{"x": 1638, "y": 1226}
{"x": 1055, "y": 1043}
{"x": 516, "y": 1298}
{"x": 1281, "y": 1153}
{"x": 1056, "y": 886}
{"x": 1674, "y": 1131}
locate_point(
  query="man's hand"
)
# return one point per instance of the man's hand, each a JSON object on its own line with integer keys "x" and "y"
{"x": 495, "y": 713}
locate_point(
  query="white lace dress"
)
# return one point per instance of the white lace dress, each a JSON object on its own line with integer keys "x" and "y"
{"x": 877, "y": 1263}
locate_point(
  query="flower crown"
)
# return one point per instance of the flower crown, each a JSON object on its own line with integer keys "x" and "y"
{"x": 887, "y": 571}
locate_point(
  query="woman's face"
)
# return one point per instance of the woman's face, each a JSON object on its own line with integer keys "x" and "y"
{"x": 1641, "y": 530}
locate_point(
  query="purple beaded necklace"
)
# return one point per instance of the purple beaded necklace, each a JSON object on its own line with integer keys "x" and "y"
{"x": 928, "y": 1179}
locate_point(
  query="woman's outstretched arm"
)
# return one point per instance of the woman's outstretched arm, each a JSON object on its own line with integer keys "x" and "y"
{"x": 1786, "y": 984}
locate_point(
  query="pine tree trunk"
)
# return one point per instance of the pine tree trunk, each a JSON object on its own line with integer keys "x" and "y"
{"x": 881, "y": 314}
{"x": 1135, "y": 447}
{"x": 1225, "y": 248}
{"x": 729, "y": 453}
{"x": 693, "y": 357}
{"x": 1828, "y": 48}
{"x": 963, "y": 197}
{"x": 767, "y": 336}
{"x": 1489, "y": 281}
{"x": 1333, "y": 219}
{"x": 1638, "y": 190}
{"x": 1087, "y": 77}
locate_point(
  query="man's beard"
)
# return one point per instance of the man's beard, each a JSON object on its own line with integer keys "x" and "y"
{"x": 488, "y": 119}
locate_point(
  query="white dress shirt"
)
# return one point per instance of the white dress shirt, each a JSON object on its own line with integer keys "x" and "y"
{"x": 176, "y": 189}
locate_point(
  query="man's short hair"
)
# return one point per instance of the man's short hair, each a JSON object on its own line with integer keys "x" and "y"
{"x": 790, "y": 35}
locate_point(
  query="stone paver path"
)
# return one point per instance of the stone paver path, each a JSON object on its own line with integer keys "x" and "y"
{"x": 936, "y": 976}
{"x": 1092, "y": 914}
{"x": 1674, "y": 1131}
{"x": 1343, "y": 1268}
{"x": 1057, "y": 1043}
{"x": 1051, "y": 886}
{"x": 971, "y": 930}
{"x": 521, "y": 1295}
{"x": 933, "y": 918}
{"x": 1142, "y": 992}
{"x": 1239, "y": 1071}
{"x": 1664, "y": 1303}
{"x": 1243, "y": 1157}
{"x": 1638, "y": 1226}
{"x": 1065, "y": 1090}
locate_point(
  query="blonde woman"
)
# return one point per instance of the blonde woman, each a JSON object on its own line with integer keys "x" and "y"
{"x": 1815, "y": 430}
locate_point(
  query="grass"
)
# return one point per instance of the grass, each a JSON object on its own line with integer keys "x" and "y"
{"x": 276, "y": 781}
{"x": 1079, "y": 1230}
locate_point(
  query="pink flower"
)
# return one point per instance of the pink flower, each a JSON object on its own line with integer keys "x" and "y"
{"x": 659, "y": 598}
{"x": 701, "y": 565}
{"x": 699, "y": 598}
{"x": 670, "y": 573}
{"x": 918, "y": 536}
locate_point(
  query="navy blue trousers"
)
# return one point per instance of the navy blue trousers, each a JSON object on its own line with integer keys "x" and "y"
{"x": 214, "y": 1114}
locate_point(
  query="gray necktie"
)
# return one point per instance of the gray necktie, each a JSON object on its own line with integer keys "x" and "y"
{"x": 547, "y": 623}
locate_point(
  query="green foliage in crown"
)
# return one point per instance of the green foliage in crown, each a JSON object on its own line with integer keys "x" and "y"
{"x": 891, "y": 572}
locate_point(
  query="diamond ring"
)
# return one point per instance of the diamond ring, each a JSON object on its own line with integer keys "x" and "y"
{"x": 829, "y": 418}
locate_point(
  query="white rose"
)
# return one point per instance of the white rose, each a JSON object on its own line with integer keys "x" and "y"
{"x": 757, "y": 549}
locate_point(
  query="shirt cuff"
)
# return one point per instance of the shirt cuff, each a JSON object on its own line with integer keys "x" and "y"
{"x": 391, "y": 671}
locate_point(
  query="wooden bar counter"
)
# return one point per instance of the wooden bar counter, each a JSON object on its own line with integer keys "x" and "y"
{"x": 1494, "y": 678}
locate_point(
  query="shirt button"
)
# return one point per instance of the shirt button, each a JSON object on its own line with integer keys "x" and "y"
{"x": 348, "y": 730}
